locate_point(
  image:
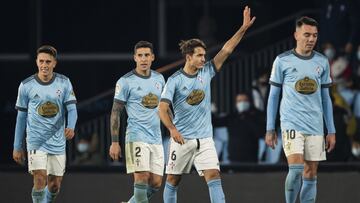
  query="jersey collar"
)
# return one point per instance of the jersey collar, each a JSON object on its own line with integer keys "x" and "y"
{"x": 188, "y": 75}
{"x": 142, "y": 76}
{"x": 303, "y": 57}
{"x": 45, "y": 83}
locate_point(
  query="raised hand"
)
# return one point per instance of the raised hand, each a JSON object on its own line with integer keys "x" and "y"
{"x": 247, "y": 20}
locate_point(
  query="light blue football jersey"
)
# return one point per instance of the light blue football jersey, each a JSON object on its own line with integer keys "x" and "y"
{"x": 301, "y": 79}
{"x": 45, "y": 104}
{"x": 141, "y": 96}
{"x": 190, "y": 96}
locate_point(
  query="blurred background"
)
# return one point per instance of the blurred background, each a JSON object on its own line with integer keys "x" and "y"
{"x": 95, "y": 41}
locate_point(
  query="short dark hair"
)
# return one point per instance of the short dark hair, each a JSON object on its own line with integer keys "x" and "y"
{"x": 143, "y": 44}
{"x": 307, "y": 21}
{"x": 188, "y": 46}
{"x": 47, "y": 49}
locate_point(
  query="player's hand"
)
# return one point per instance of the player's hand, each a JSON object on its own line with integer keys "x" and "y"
{"x": 69, "y": 133}
{"x": 247, "y": 20}
{"x": 271, "y": 139}
{"x": 330, "y": 142}
{"x": 19, "y": 156}
{"x": 115, "y": 151}
{"x": 177, "y": 136}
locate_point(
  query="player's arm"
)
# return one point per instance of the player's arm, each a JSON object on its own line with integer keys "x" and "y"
{"x": 21, "y": 118}
{"x": 18, "y": 151}
{"x": 272, "y": 108}
{"x": 230, "y": 45}
{"x": 71, "y": 119}
{"x": 166, "y": 118}
{"x": 115, "y": 150}
{"x": 329, "y": 119}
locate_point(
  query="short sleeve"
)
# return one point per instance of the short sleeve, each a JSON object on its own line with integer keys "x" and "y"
{"x": 325, "y": 76}
{"x": 22, "y": 99}
{"x": 209, "y": 67}
{"x": 169, "y": 90}
{"x": 162, "y": 82}
{"x": 276, "y": 77}
{"x": 70, "y": 97}
{"x": 121, "y": 91}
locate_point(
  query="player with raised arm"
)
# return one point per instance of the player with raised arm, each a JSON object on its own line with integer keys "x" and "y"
{"x": 188, "y": 91}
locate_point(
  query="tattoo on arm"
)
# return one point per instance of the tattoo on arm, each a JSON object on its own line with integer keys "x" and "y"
{"x": 115, "y": 120}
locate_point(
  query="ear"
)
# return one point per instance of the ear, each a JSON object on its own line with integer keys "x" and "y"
{"x": 152, "y": 57}
{"x": 134, "y": 57}
{"x": 188, "y": 57}
{"x": 296, "y": 35}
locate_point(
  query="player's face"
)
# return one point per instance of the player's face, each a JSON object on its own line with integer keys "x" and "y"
{"x": 143, "y": 58}
{"x": 46, "y": 64}
{"x": 197, "y": 59}
{"x": 306, "y": 37}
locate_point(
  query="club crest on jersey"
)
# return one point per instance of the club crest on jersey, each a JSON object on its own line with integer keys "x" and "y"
{"x": 58, "y": 93}
{"x": 150, "y": 101}
{"x": 306, "y": 86}
{"x": 157, "y": 85}
{"x": 195, "y": 97}
{"x": 318, "y": 70}
{"x": 48, "y": 109}
{"x": 200, "y": 79}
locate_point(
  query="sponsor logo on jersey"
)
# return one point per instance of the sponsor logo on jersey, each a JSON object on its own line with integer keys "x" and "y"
{"x": 117, "y": 89}
{"x": 150, "y": 101}
{"x": 195, "y": 97}
{"x": 48, "y": 109}
{"x": 306, "y": 86}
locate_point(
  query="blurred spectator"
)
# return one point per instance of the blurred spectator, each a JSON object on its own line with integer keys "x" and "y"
{"x": 342, "y": 151}
{"x": 356, "y": 62}
{"x": 244, "y": 128}
{"x": 260, "y": 93}
{"x": 329, "y": 51}
{"x": 88, "y": 151}
{"x": 340, "y": 24}
{"x": 221, "y": 137}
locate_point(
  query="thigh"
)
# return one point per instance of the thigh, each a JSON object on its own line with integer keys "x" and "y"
{"x": 56, "y": 164}
{"x": 157, "y": 159}
{"x": 315, "y": 148}
{"x": 293, "y": 142}
{"x": 181, "y": 157}
{"x": 205, "y": 156}
{"x": 137, "y": 157}
{"x": 37, "y": 160}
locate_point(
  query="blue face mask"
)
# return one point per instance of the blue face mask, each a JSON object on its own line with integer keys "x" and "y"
{"x": 242, "y": 106}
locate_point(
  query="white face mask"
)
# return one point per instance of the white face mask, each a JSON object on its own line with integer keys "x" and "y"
{"x": 83, "y": 147}
{"x": 242, "y": 106}
{"x": 329, "y": 53}
{"x": 213, "y": 108}
{"x": 358, "y": 55}
{"x": 356, "y": 151}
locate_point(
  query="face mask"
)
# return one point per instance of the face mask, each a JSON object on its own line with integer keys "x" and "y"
{"x": 242, "y": 106}
{"x": 82, "y": 147}
{"x": 358, "y": 55}
{"x": 329, "y": 53}
{"x": 355, "y": 151}
{"x": 213, "y": 108}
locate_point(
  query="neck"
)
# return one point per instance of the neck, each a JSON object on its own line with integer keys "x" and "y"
{"x": 191, "y": 70}
{"x": 45, "y": 78}
{"x": 143, "y": 72}
{"x": 302, "y": 52}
